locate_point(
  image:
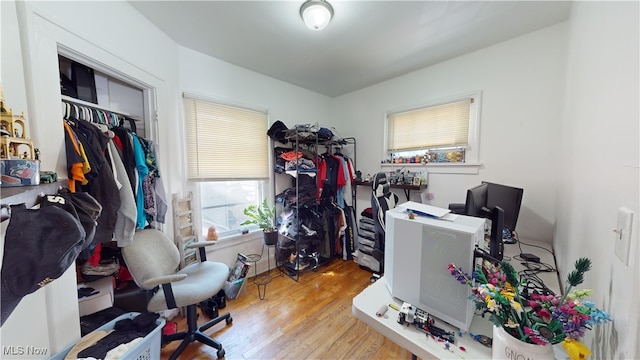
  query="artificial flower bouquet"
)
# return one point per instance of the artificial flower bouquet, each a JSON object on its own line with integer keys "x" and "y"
{"x": 542, "y": 319}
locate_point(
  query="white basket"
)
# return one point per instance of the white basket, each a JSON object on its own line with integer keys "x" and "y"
{"x": 147, "y": 349}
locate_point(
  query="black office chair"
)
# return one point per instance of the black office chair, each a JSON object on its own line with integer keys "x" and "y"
{"x": 153, "y": 259}
{"x": 382, "y": 199}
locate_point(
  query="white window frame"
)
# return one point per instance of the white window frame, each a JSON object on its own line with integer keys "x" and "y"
{"x": 235, "y": 236}
{"x": 472, "y": 150}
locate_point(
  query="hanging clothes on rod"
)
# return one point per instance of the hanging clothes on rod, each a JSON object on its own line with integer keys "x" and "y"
{"x": 102, "y": 156}
{"x": 78, "y": 109}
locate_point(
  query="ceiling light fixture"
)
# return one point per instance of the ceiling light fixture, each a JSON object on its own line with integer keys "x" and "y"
{"x": 316, "y": 14}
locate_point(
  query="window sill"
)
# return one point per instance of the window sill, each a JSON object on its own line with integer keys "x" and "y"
{"x": 234, "y": 240}
{"x": 442, "y": 168}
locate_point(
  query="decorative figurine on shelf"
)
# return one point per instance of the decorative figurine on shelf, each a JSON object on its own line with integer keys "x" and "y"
{"x": 212, "y": 234}
{"x": 411, "y": 215}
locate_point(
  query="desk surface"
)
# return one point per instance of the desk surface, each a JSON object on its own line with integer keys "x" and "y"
{"x": 368, "y": 302}
{"x": 373, "y": 297}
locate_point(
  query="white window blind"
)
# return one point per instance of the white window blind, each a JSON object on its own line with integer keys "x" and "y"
{"x": 225, "y": 142}
{"x": 430, "y": 127}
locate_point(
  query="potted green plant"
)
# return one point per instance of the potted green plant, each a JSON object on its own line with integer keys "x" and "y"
{"x": 264, "y": 217}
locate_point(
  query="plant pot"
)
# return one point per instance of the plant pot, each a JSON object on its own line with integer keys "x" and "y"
{"x": 270, "y": 238}
{"x": 507, "y": 347}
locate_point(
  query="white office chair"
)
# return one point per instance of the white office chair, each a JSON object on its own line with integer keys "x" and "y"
{"x": 153, "y": 259}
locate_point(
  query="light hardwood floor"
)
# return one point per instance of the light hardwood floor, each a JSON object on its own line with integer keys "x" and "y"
{"x": 308, "y": 319}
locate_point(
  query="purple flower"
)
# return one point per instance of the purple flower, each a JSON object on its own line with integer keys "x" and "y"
{"x": 574, "y": 330}
{"x": 461, "y": 276}
{"x": 573, "y": 318}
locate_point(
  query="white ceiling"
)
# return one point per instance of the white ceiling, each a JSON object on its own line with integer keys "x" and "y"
{"x": 366, "y": 42}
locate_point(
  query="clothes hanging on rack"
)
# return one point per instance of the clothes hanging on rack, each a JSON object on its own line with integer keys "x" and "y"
{"x": 124, "y": 144}
{"x": 95, "y": 115}
{"x": 143, "y": 171}
{"x": 330, "y": 176}
{"x": 141, "y": 155}
{"x": 344, "y": 193}
{"x": 336, "y": 173}
{"x": 96, "y": 177}
{"x": 127, "y": 213}
{"x": 116, "y": 166}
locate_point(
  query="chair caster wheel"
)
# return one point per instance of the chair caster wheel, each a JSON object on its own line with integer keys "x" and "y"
{"x": 220, "y": 354}
{"x": 229, "y": 320}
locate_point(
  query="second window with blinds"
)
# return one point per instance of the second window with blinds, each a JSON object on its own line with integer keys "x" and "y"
{"x": 447, "y": 125}
{"x": 228, "y": 156}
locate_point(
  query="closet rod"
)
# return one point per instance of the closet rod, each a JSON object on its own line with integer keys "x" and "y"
{"x": 95, "y": 106}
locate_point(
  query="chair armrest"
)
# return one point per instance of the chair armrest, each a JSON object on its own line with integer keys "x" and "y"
{"x": 200, "y": 244}
{"x": 457, "y": 208}
{"x": 151, "y": 283}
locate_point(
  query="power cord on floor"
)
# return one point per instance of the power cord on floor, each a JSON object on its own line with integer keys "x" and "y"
{"x": 529, "y": 275}
{"x": 520, "y": 243}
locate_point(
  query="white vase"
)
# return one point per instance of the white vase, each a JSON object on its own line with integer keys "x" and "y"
{"x": 507, "y": 347}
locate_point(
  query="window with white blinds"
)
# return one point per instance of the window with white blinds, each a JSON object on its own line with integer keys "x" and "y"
{"x": 225, "y": 142}
{"x": 443, "y": 125}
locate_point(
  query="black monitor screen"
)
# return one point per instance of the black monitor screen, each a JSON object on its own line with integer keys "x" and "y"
{"x": 476, "y": 201}
{"x": 508, "y": 198}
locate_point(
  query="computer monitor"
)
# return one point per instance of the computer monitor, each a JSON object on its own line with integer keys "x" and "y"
{"x": 476, "y": 202}
{"x": 476, "y": 205}
{"x": 508, "y": 198}
{"x": 496, "y": 243}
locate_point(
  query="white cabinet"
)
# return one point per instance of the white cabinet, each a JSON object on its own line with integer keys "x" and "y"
{"x": 185, "y": 232}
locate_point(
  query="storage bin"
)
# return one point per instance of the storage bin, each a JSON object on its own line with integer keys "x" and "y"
{"x": 19, "y": 172}
{"x": 147, "y": 349}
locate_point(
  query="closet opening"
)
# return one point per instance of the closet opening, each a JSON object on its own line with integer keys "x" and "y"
{"x": 125, "y": 179}
{"x": 84, "y": 81}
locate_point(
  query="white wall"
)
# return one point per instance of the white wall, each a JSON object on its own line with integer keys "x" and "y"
{"x": 599, "y": 150}
{"x": 11, "y": 73}
{"x": 521, "y": 82}
{"x": 83, "y": 27}
{"x": 13, "y": 332}
{"x": 216, "y": 79}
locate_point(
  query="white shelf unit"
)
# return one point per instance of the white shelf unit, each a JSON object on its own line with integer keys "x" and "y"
{"x": 184, "y": 228}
